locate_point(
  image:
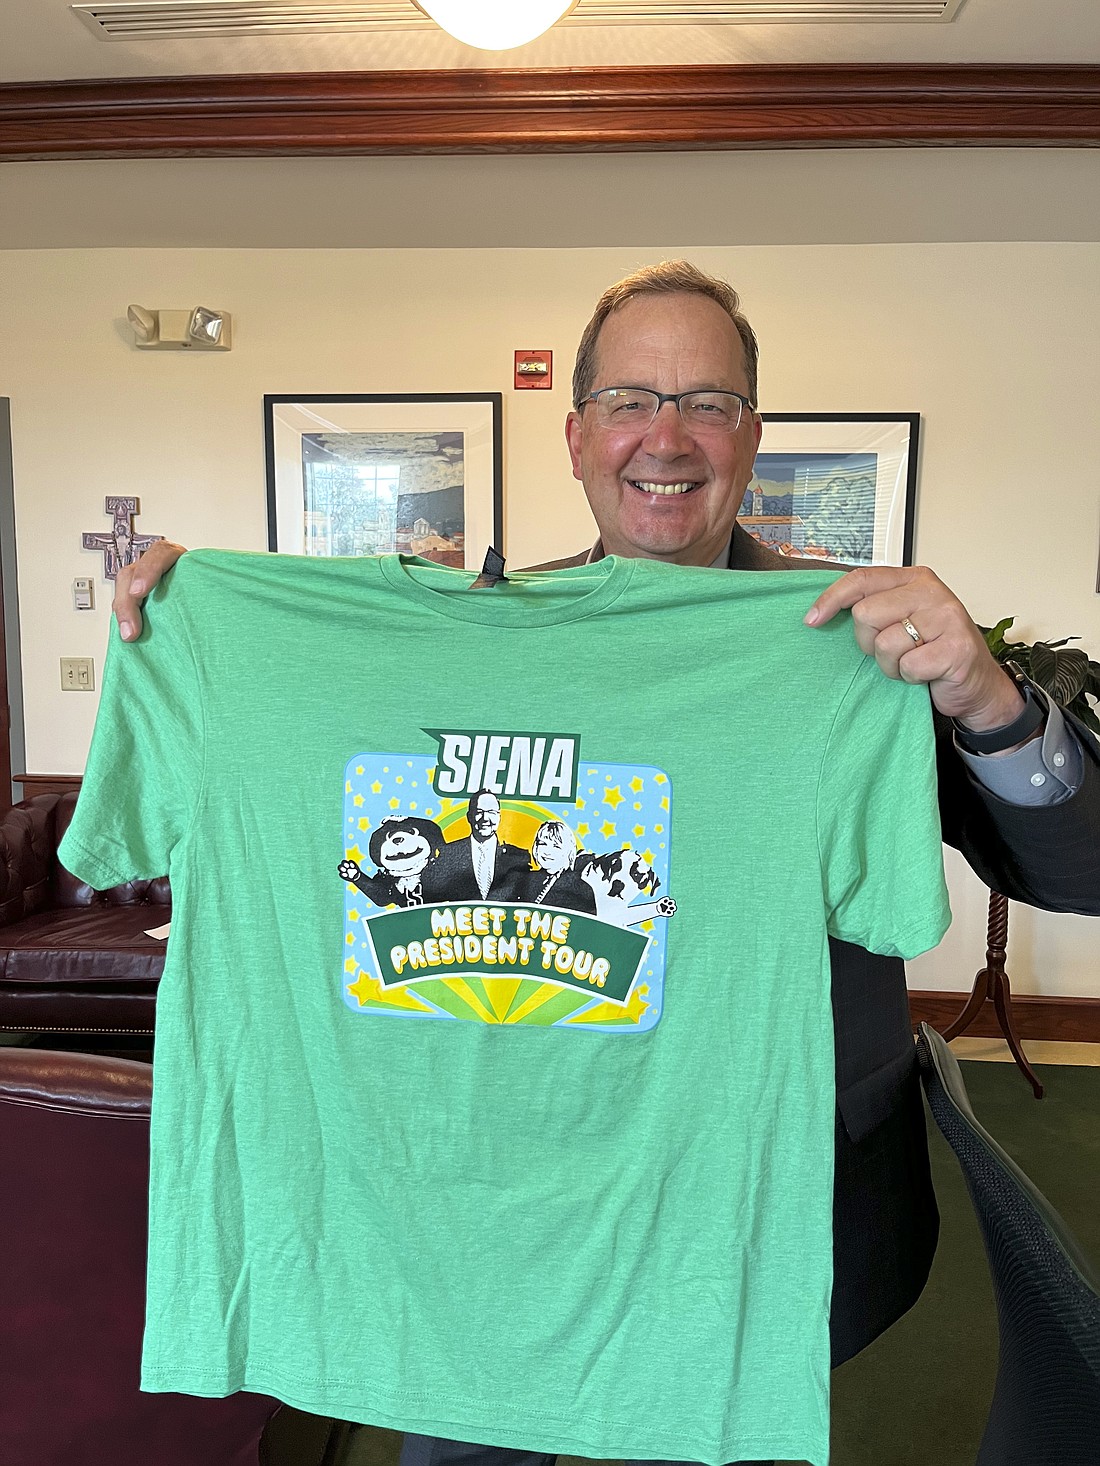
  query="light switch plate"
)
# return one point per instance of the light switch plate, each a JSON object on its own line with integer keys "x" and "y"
{"x": 77, "y": 674}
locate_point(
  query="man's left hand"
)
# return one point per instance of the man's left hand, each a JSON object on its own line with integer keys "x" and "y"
{"x": 963, "y": 677}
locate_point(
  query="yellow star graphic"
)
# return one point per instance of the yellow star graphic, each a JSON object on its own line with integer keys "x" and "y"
{"x": 353, "y": 915}
{"x": 376, "y": 787}
{"x": 636, "y": 1005}
{"x": 359, "y": 768}
{"x": 357, "y": 801}
{"x": 607, "y": 829}
{"x": 613, "y": 797}
{"x": 580, "y": 802}
{"x": 362, "y": 988}
{"x": 395, "y": 803}
{"x": 660, "y": 829}
{"x": 349, "y": 965}
{"x": 353, "y": 852}
{"x": 637, "y": 785}
{"x": 364, "y": 824}
{"x": 664, "y": 802}
{"x": 350, "y": 939}
{"x": 639, "y": 831}
{"x": 647, "y": 856}
{"x": 660, "y": 779}
{"x": 582, "y": 830}
{"x": 347, "y": 786}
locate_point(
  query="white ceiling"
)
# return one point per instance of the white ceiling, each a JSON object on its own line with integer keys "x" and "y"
{"x": 42, "y": 40}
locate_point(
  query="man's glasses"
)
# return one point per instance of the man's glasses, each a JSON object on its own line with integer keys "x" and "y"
{"x": 632, "y": 409}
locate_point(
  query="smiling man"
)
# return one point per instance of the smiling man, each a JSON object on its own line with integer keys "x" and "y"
{"x": 665, "y": 474}
{"x": 662, "y": 435}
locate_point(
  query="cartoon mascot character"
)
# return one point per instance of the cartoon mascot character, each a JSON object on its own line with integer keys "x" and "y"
{"x": 404, "y": 849}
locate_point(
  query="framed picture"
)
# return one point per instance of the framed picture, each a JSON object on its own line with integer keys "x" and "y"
{"x": 419, "y": 473}
{"x": 836, "y": 486}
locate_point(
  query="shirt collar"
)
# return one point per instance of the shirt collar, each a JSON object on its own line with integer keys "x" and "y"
{"x": 720, "y": 562}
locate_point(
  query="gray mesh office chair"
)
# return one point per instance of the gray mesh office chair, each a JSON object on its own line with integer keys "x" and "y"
{"x": 1046, "y": 1403}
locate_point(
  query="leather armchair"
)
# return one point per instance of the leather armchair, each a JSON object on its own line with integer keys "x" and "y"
{"x": 72, "y": 959}
{"x": 74, "y": 1157}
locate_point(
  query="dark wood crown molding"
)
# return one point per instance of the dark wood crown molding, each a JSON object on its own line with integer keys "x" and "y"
{"x": 589, "y": 110}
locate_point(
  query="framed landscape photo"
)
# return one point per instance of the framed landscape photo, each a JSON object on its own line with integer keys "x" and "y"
{"x": 417, "y": 473}
{"x": 835, "y": 487}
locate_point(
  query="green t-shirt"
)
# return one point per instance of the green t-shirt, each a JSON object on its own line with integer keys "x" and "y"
{"x": 527, "y": 1144}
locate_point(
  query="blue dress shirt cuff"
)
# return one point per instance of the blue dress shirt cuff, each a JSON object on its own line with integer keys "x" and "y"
{"x": 1048, "y": 770}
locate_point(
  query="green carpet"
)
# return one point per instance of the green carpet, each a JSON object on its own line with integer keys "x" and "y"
{"x": 919, "y": 1396}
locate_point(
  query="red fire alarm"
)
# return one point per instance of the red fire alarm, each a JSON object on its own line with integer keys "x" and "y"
{"x": 534, "y": 368}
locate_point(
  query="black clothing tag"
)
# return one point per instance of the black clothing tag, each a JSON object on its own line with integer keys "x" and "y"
{"x": 492, "y": 570}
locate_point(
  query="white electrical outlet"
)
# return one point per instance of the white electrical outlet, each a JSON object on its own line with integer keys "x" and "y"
{"x": 77, "y": 674}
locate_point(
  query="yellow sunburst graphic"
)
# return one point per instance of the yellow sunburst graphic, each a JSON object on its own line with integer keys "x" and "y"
{"x": 498, "y": 1000}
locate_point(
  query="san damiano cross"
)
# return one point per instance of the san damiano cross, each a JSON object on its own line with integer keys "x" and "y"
{"x": 120, "y": 545}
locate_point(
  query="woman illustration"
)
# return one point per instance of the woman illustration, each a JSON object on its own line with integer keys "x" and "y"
{"x": 554, "y": 882}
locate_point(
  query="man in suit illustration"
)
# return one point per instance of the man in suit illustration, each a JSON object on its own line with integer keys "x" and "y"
{"x": 477, "y": 868}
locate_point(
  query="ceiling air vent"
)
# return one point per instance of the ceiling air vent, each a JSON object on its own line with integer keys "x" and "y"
{"x": 176, "y": 19}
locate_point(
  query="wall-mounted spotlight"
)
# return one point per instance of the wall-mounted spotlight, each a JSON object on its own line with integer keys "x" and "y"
{"x": 200, "y": 329}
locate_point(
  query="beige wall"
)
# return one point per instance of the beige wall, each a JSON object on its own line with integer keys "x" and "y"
{"x": 993, "y": 343}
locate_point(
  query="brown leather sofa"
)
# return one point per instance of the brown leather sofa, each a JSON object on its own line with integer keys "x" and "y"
{"x": 74, "y": 1157}
{"x": 72, "y": 960}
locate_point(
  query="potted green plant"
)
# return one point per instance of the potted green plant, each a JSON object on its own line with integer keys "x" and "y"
{"x": 1066, "y": 673}
{"x": 1072, "y": 679}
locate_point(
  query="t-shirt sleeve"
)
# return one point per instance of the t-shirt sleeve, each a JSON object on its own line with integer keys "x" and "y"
{"x": 878, "y": 819}
{"x": 144, "y": 772}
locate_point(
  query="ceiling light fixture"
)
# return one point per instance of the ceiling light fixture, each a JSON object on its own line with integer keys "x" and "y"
{"x": 495, "y": 25}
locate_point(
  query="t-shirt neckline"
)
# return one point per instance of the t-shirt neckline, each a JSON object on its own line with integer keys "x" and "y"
{"x": 527, "y": 598}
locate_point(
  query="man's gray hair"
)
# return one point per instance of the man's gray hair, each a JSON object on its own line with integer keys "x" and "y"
{"x": 670, "y": 277}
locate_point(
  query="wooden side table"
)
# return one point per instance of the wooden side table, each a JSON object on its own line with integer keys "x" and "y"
{"x": 991, "y": 983}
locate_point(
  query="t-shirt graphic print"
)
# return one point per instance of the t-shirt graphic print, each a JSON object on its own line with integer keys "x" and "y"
{"x": 503, "y": 878}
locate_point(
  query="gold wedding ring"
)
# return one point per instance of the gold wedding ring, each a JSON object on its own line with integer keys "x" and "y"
{"x": 911, "y": 631}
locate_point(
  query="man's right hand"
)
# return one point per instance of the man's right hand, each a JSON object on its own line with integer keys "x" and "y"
{"x": 134, "y": 582}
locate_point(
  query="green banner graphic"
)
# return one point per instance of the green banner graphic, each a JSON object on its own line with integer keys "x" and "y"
{"x": 506, "y": 940}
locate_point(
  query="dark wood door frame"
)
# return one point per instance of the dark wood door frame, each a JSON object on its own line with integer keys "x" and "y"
{"x": 5, "y": 712}
{"x": 10, "y": 686}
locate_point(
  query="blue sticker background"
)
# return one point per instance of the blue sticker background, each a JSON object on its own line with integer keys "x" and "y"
{"x": 618, "y": 807}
